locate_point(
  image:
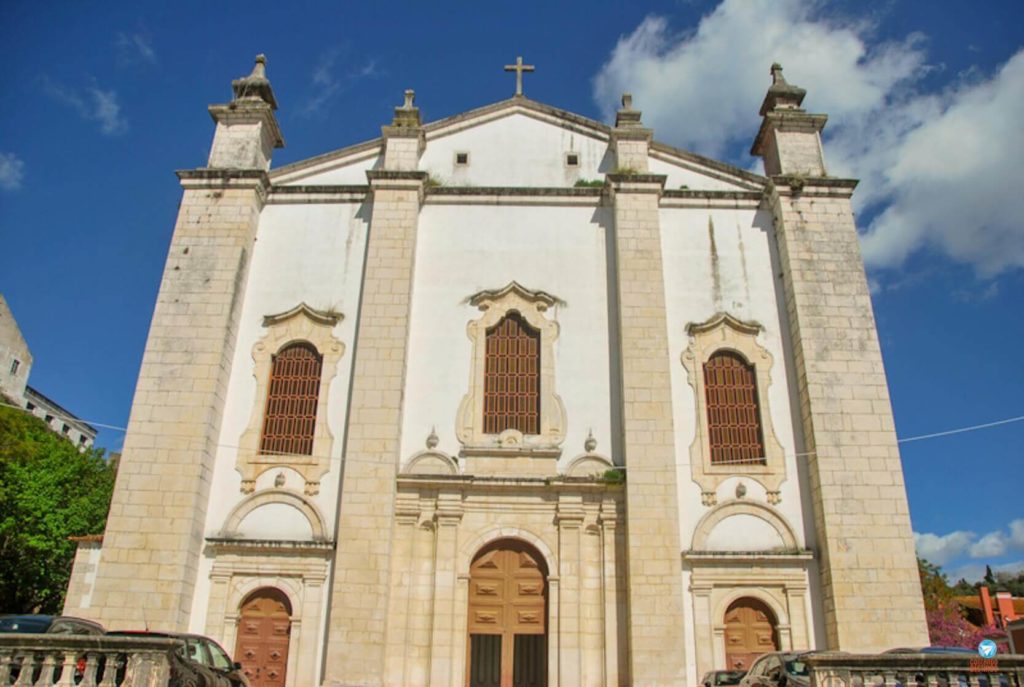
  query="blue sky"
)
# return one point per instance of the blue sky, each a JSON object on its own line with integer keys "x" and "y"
{"x": 103, "y": 101}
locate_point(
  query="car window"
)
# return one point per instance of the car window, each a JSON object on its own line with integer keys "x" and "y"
{"x": 29, "y": 625}
{"x": 729, "y": 677}
{"x": 219, "y": 657}
{"x": 196, "y": 651}
{"x": 796, "y": 667}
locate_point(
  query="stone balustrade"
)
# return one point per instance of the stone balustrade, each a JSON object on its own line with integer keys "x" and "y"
{"x": 39, "y": 660}
{"x": 837, "y": 669}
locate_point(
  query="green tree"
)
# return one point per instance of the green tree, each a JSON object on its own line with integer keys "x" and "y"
{"x": 49, "y": 491}
{"x": 934, "y": 585}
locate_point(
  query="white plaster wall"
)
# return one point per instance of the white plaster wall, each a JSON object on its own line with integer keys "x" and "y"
{"x": 746, "y": 288}
{"x": 515, "y": 150}
{"x": 743, "y": 532}
{"x": 276, "y": 521}
{"x": 462, "y": 250}
{"x": 346, "y": 171}
{"x": 680, "y": 177}
{"x": 303, "y": 253}
{"x": 311, "y": 253}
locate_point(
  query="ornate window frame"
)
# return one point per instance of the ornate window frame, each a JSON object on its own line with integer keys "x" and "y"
{"x": 301, "y": 323}
{"x": 531, "y": 306}
{"x": 724, "y": 332}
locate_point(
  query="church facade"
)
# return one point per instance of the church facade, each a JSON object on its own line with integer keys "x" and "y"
{"x": 511, "y": 398}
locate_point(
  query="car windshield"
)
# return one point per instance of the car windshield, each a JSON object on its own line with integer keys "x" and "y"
{"x": 220, "y": 659}
{"x": 796, "y": 667}
{"x": 730, "y": 677}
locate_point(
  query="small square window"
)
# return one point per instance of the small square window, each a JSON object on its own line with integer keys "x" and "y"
{"x": 572, "y": 160}
{"x": 49, "y": 418}
{"x": 461, "y": 158}
{"x": 30, "y": 406}
{"x": 65, "y": 429}
{"x": 15, "y": 364}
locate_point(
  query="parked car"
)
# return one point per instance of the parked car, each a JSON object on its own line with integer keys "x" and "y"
{"x": 722, "y": 678}
{"x": 198, "y": 662}
{"x": 49, "y": 624}
{"x": 778, "y": 669}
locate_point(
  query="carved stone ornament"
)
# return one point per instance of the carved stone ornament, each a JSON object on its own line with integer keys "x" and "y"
{"x": 725, "y": 332}
{"x": 532, "y": 306}
{"x": 301, "y": 323}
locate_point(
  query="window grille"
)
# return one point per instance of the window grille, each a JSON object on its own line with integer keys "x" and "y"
{"x": 290, "y": 418}
{"x": 512, "y": 377}
{"x": 734, "y": 419}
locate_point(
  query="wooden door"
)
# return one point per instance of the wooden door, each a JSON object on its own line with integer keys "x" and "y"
{"x": 507, "y": 618}
{"x": 749, "y": 632}
{"x": 263, "y": 632}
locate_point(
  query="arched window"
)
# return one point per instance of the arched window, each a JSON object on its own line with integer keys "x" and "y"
{"x": 734, "y": 419}
{"x": 290, "y": 418}
{"x": 512, "y": 377}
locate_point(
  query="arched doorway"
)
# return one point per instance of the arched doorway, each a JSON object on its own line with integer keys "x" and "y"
{"x": 508, "y": 593}
{"x": 264, "y": 626}
{"x": 750, "y": 630}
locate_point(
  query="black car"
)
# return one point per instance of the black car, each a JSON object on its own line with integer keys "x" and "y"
{"x": 722, "y": 678}
{"x": 198, "y": 662}
{"x": 49, "y": 624}
{"x": 778, "y": 669}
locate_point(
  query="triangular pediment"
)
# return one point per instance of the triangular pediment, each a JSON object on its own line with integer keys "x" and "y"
{"x": 518, "y": 142}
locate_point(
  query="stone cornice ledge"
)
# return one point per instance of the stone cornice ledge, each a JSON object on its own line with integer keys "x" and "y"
{"x": 799, "y": 185}
{"x": 205, "y": 177}
{"x": 275, "y": 545}
{"x": 320, "y": 193}
{"x": 467, "y": 482}
{"x": 748, "y": 556}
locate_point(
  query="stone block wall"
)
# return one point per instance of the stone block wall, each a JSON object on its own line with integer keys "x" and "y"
{"x": 154, "y": 533}
{"x": 871, "y": 593}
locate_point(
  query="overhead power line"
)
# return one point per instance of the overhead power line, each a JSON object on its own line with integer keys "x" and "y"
{"x": 919, "y": 437}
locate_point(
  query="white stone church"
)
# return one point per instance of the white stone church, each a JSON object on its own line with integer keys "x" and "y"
{"x": 513, "y": 398}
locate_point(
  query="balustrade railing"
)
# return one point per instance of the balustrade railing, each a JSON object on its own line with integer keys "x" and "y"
{"x": 837, "y": 669}
{"x": 85, "y": 661}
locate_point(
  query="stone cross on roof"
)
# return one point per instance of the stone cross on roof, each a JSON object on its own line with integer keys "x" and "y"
{"x": 519, "y": 68}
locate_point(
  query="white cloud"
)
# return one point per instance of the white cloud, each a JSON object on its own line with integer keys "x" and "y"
{"x": 327, "y": 83}
{"x": 940, "y": 550}
{"x": 946, "y": 548}
{"x": 12, "y": 171}
{"x": 1017, "y": 534}
{"x": 991, "y": 545}
{"x": 92, "y": 103}
{"x": 135, "y": 47}
{"x": 941, "y": 167}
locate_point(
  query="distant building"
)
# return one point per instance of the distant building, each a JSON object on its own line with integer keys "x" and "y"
{"x": 15, "y": 365}
{"x": 984, "y": 611}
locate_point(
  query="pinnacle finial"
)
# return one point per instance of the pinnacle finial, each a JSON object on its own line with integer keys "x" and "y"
{"x": 627, "y": 101}
{"x": 256, "y": 86}
{"x": 410, "y": 96}
{"x": 777, "y": 77}
{"x": 432, "y": 439}
{"x": 591, "y": 443}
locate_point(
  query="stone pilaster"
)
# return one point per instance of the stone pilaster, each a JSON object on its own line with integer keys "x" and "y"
{"x": 359, "y": 600}
{"x": 154, "y": 533}
{"x": 570, "y": 523}
{"x": 449, "y": 597}
{"x": 657, "y": 646}
{"x": 871, "y": 594}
